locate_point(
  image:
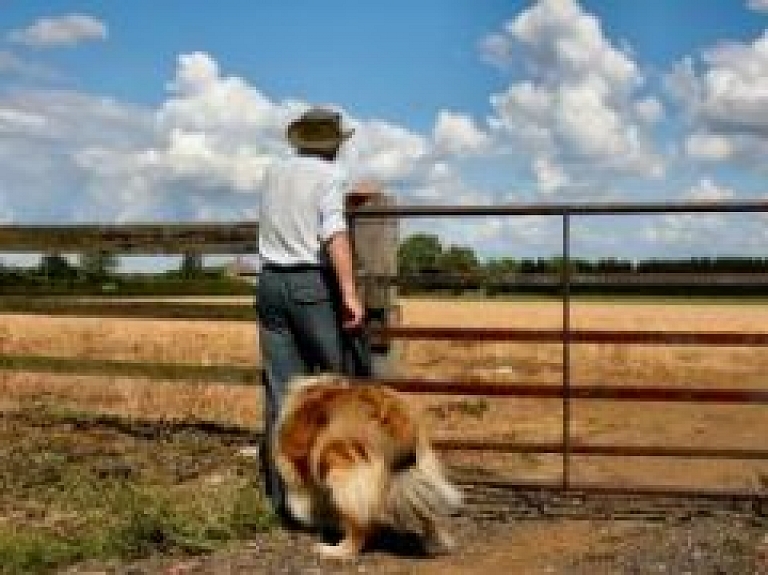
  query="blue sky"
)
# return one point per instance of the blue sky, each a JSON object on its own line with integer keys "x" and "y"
{"x": 147, "y": 111}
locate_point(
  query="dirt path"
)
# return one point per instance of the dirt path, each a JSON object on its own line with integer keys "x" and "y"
{"x": 498, "y": 532}
{"x": 531, "y": 547}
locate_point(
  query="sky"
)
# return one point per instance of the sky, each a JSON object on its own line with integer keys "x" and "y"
{"x": 171, "y": 110}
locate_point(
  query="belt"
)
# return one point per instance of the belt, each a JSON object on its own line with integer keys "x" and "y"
{"x": 272, "y": 267}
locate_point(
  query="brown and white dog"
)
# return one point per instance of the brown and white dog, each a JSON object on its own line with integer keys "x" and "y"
{"x": 356, "y": 455}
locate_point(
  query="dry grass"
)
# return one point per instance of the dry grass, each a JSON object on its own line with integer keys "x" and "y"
{"x": 609, "y": 363}
{"x": 194, "y": 342}
{"x": 601, "y": 422}
{"x": 206, "y": 343}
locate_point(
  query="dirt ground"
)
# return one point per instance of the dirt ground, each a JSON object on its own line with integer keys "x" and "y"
{"x": 559, "y": 547}
{"x": 496, "y": 532}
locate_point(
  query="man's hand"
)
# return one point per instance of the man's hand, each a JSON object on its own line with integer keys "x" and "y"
{"x": 353, "y": 312}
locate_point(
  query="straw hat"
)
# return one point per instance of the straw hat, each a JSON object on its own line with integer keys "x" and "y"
{"x": 317, "y": 130}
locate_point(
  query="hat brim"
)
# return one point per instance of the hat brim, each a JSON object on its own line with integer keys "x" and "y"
{"x": 316, "y": 135}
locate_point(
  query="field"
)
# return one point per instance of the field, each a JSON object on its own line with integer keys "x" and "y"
{"x": 65, "y": 398}
{"x": 217, "y": 343}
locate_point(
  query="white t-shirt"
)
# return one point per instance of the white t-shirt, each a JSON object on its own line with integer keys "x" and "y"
{"x": 302, "y": 206}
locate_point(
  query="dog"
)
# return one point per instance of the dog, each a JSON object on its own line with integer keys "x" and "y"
{"x": 355, "y": 457}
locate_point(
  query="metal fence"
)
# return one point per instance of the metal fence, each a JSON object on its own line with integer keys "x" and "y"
{"x": 241, "y": 238}
{"x": 568, "y": 392}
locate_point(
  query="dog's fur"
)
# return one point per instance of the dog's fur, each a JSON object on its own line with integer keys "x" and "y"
{"x": 356, "y": 454}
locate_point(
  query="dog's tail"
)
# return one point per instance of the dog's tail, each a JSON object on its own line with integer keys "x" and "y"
{"x": 419, "y": 493}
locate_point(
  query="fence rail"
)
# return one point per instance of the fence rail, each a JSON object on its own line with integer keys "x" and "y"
{"x": 239, "y": 238}
{"x": 152, "y": 239}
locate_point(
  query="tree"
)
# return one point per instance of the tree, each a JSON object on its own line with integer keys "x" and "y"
{"x": 419, "y": 253}
{"x": 56, "y": 266}
{"x": 192, "y": 264}
{"x": 98, "y": 265}
{"x": 458, "y": 260}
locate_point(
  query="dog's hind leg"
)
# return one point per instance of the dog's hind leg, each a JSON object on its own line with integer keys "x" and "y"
{"x": 355, "y": 536}
{"x": 299, "y": 503}
{"x": 436, "y": 540}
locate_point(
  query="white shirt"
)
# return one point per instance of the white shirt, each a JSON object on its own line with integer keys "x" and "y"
{"x": 302, "y": 206}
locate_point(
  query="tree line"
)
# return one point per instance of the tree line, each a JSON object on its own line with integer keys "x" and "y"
{"x": 97, "y": 273}
{"x": 425, "y": 264}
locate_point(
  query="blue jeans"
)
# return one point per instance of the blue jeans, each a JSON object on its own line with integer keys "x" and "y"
{"x": 299, "y": 333}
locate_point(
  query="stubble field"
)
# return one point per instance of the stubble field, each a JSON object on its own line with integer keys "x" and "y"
{"x": 216, "y": 343}
{"x": 76, "y": 490}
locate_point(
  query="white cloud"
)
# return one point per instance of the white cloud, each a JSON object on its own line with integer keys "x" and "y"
{"x": 202, "y": 99}
{"x": 549, "y": 176}
{"x": 564, "y": 44}
{"x": 759, "y": 5}
{"x": 649, "y": 110}
{"x": 386, "y": 152}
{"x": 458, "y": 134}
{"x": 688, "y": 232}
{"x": 726, "y": 96}
{"x": 64, "y": 30}
{"x": 241, "y": 123}
{"x": 496, "y": 49}
{"x": 579, "y": 105}
{"x": 200, "y": 153}
{"x": 708, "y": 191}
{"x": 734, "y": 90}
{"x": 11, "y": 64}
{"x": 708, "y": 147}
{"x": 12, "y": 120}
{"x": 694, "y": 232}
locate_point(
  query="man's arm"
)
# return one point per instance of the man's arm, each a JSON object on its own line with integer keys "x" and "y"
{"x": 340, "y": 253}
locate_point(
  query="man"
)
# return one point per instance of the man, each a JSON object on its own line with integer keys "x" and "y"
{"x": 307, "y": 292}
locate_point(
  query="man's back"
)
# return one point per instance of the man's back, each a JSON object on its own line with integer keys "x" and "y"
{"x": 301, "y": 207}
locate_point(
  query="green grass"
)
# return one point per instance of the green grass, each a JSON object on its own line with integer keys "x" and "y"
{"x": 70, "y": 495}
{"x": 123, "y": 521}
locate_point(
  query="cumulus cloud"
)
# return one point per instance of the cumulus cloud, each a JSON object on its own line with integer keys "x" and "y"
{"x": 64, "y": 30}
{"x": 386, "y": 152}
{"x": 12, "y": 65}
{"x": 458, "y": 134}
{"x": 41, "y": 135}
{"x": 12, "y": 120}
{"x": 242, "y": 123}
{"x": 708, "y": 147}
{"x": 694, "y": 232}
{"x": 496, "y": 49}
{"x": 549, "y": 176}
{"x": 708, "y": 191}
{"x": 579, "y": 103}
{"x": 203, "y": 99}
{"x": 759, "y": 5}
{"x": 199, "y": 154}
{"x": 726, "y": 95}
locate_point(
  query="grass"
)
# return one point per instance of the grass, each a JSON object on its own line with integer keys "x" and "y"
{"x": 166, "y": 371}
{"x": 97, "y": 494}
{"x": 131, "y": 522}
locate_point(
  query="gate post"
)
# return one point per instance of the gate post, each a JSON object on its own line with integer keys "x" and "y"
{"x": 375, "y": 241}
